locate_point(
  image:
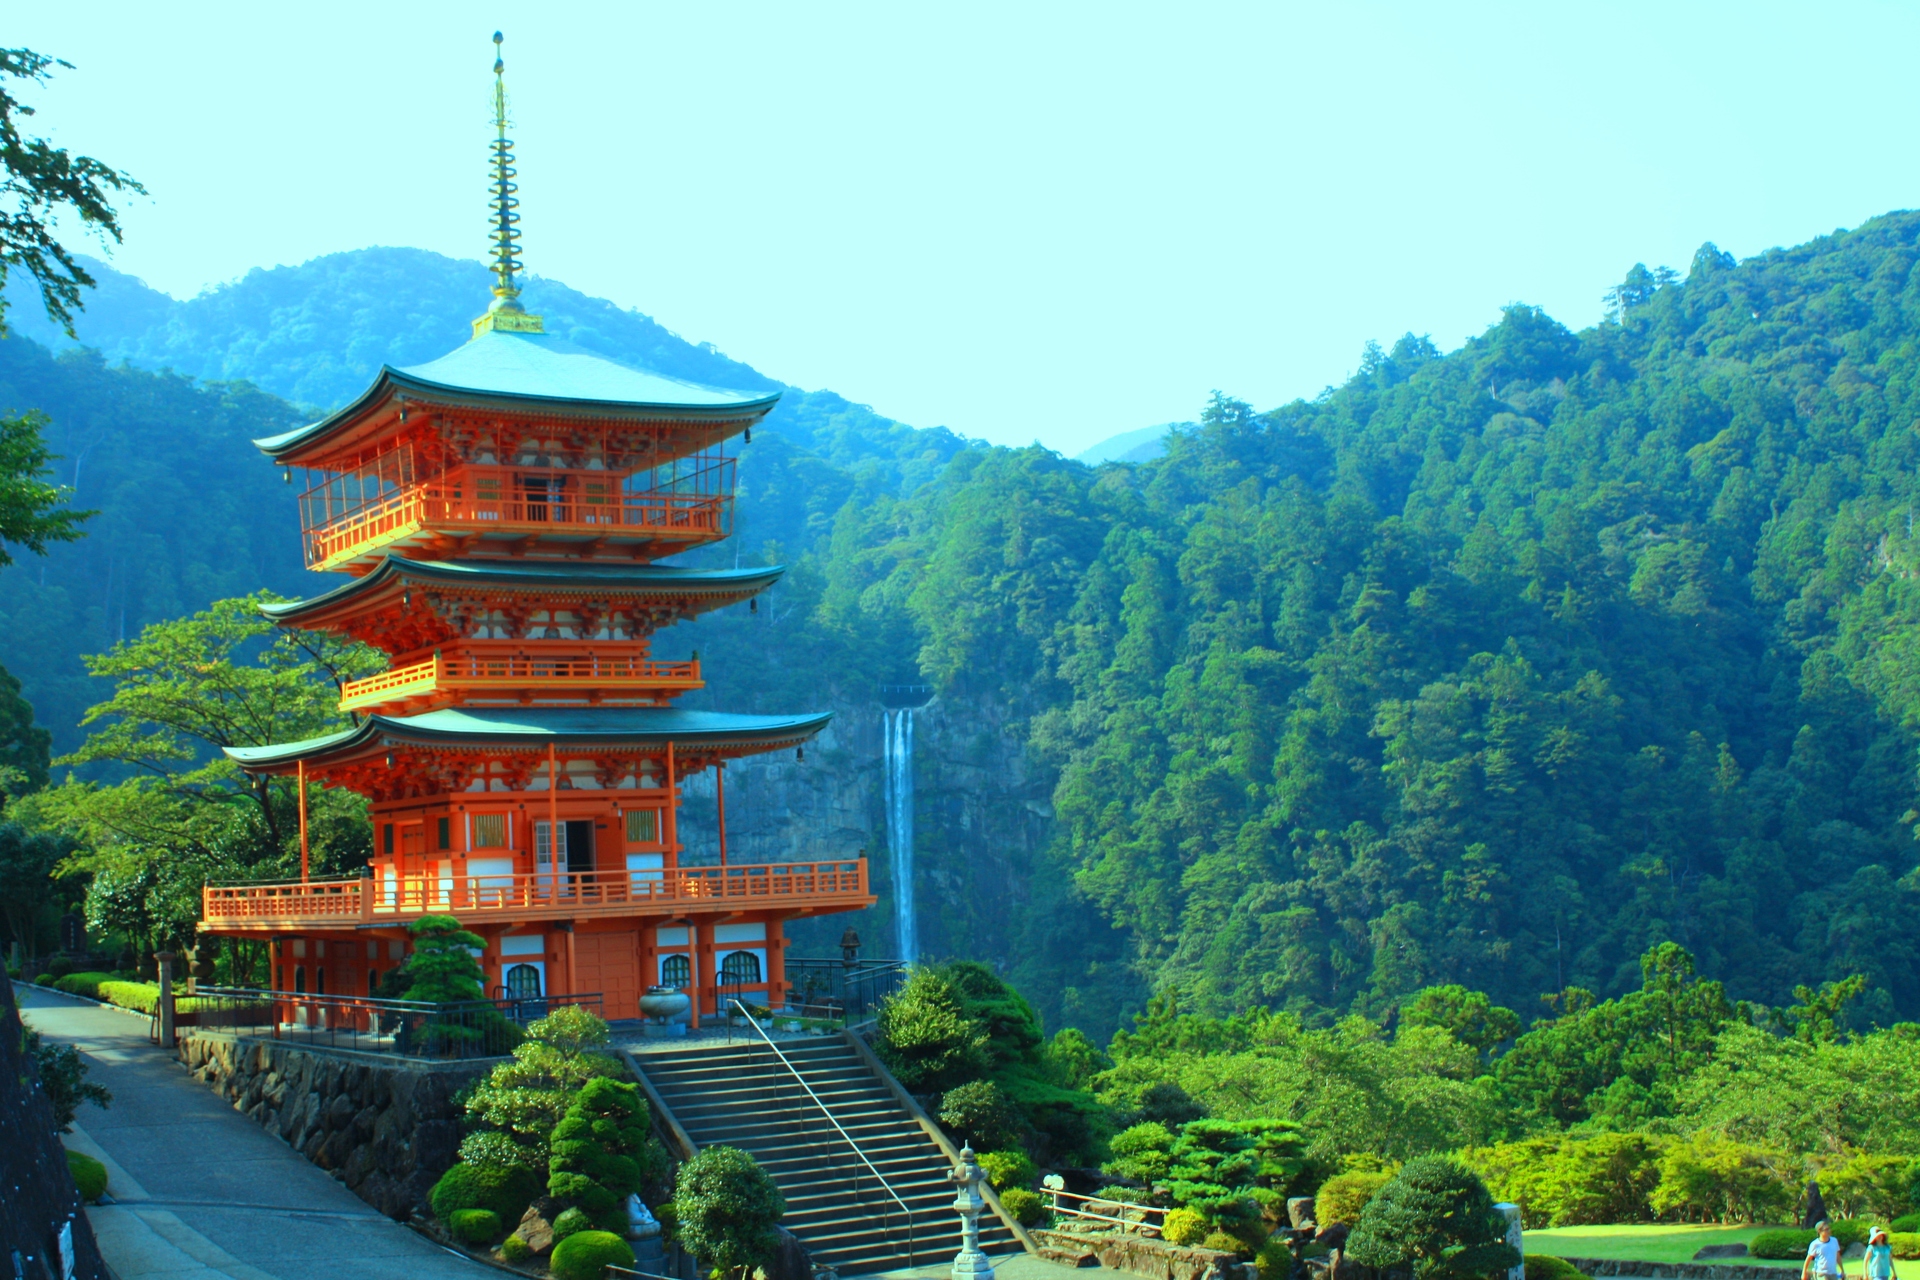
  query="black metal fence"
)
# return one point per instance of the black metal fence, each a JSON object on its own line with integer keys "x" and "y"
{"x": 408, "y": 1028}
{"x": 849, "y": 991}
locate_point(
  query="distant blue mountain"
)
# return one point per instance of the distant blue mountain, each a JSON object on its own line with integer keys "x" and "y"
{"x": 1143, "y": 445}
{"x": 316, "y": 335}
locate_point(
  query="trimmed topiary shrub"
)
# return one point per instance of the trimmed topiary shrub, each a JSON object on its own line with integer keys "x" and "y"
{"x": 571, "y": 1222}
{"x": 1907, "y": 1222}
{"x": 506, "y": 1192}
{"x": 1028, "y": 1208}
{"x": 586, "y": 1255}
{"x": 1184, "y": 1227}
{"x": 1786, "y": 1243}
{"x": 1140, "y": 1153}
{"x": 43, "y": 980}
{"x": 475, "y": 1226}
{"x": 1006, "y": 1169}
{"x": 1905, "y": 1244}
{"x": 141, "y": 997}
{"x": 1341, "y": 1199}
{"x": 89, "y": 1175}
{"x": 1435, "y": 1214}
{"x": 60, "y": 966}
{"x": 514, "y": 1249}
{"x": 602, "y": 1151}
{"x": 1544, "y": 1266}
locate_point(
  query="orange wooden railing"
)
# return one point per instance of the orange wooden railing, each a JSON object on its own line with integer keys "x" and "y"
{"x": 448, "y": 505}
{"x": 516, "y": 670}
{"x": 330, "y": 902}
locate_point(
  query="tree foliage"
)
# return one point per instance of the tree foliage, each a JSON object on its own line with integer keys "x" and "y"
{"x": 728, "y": 1209}
{"x": 1435, "y": 1214}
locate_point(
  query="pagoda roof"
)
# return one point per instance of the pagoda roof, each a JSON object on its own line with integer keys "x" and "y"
{"x": 566, "y": 577}
{"x": 529, "y": 372}
{"x": 521, "y": 728}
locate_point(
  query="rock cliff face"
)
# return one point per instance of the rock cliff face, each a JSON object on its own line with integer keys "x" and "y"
{"x": 981, "y": 811}
{"x": 37, "y": 1196}
{"x": 386, "y": 1130}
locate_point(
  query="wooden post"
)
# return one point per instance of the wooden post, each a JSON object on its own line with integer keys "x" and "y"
{"x": 553, "y": 812}
{"x": 673, "y": 812}
{"x": 301, "y": 775}
{"x": 163, "y": 1006}
{"x": 720, "y": 799}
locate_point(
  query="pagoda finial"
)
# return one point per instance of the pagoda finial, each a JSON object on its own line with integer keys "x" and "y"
{"x": 506, "y": 312}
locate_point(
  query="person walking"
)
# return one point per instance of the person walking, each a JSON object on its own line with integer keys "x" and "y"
{"x": 1879, "y": 1259}
{"x": 1823, "y": 1256}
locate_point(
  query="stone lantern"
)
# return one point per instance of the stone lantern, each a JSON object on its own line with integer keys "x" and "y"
{"x": 970, "y": 1263}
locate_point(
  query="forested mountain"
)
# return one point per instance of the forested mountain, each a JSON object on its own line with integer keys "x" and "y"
{"x": 1493, "y": 666}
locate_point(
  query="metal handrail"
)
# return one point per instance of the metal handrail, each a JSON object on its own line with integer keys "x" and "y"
{"x": 913, "y": 1254}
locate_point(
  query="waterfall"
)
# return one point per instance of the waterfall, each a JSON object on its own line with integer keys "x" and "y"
{"x": 898, "y": 726}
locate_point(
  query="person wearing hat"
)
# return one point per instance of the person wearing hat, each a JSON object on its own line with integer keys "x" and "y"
{"x": 1879, "y": 1260}
{"x": 1823, "y": 1256}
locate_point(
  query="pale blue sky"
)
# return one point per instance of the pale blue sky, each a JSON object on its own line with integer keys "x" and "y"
{"x": 1021, "y": 221}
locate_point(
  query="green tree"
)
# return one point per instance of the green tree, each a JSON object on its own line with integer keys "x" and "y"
{"x": 527, "y": 1097}
{"x": 926, "y": 1037}
{"x": 40, "y": 181}
{"x": 28, "y": 859}
{"x": 1436, "y": 1215}
{"x": 441, "y": 967}
{"x": 181, "y": 812}
{"x": 1468, "y": 1016}
{"x": 728, "y": 1211}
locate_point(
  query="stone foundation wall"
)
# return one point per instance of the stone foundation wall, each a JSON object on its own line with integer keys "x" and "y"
{"x": 1143, "y": 1255}
{"x": 386, "y": 1129}
{"x": 1680, "y": 1270}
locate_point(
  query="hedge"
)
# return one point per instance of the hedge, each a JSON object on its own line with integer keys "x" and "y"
{"x": 1544, "y": 1266}
{"x": 507, "y": 1192}
{"x": 1027, "y": 1208}
{"x": 1790, "y": 1243}
{"x": 82, "y": 984}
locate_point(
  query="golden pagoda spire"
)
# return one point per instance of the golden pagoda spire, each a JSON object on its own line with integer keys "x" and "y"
{"x": 505, "y": 314}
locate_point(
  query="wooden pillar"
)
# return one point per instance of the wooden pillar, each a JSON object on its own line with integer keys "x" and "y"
{"x": 703, "y": 964}
{"x": 720, "y": 804}
{"x": 672, "y": 832}
{"x": 300, "y": 775}
{"x": 553, "y": 814}
{"x": 572, "y": 973}
{"x": 695, "y": 972}
{"x": 776, "y": 965}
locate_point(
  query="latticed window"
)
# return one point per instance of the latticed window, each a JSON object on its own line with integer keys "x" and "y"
{"x": 675, "y": 971}
{"x": 489, "y": 830}
{"x": 740, "y": 968}
{"x": 643, "y": 826}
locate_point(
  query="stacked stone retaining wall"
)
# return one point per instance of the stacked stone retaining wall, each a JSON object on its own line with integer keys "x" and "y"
{"x": 388, "y": 1129}
{"x": 1679, "y": 1270}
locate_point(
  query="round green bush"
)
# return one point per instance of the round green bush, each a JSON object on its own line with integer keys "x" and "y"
{"x": 1184, "y": 1227}
{"x": 1008, "y": 1169}
{"x": 571, "y": 1222}
{"x": 1906, "y": 1244}
{"x": 88, "y": 1174}
{"x": 1544, "y": 1266}
{"x": 1905, "y": 1223}
{"x": 43, "y": 980}
{"x": 1027, "y": 1207}
{"x": 475, "y": 1226}
{"x": 586, "y": 1255}
{"x": 1221, "y": 1242}
{"x": 60, "y": 966}
{"x": 514, "y": 1249}
{"x": 507, "y": 1192}
{"x": 1340, "y": 1199}
{"x": 1788, "y": 1243}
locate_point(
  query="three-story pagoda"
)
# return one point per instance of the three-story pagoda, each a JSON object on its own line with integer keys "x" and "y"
{"x": 502, "y": 511}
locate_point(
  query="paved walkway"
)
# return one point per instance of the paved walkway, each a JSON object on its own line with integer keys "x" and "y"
{"x": 201, "y": 1192}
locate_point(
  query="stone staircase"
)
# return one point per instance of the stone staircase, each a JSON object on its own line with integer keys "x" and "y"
{"x": 742, "y": 1095}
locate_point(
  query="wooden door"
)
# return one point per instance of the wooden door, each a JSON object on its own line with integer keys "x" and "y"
{"x": 610, "y": 964}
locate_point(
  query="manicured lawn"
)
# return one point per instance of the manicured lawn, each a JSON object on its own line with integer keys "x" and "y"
{"x": 1641, "y": 1243}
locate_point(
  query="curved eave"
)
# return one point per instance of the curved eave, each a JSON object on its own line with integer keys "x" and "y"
{"x": 723, "y": 586}
{"x": 693, "y": 732}
{"x": 289, "y": 446}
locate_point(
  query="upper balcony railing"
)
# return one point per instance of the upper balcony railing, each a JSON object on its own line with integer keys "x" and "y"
{"x": 589, "y": 678}
{"x": 396, "y": 899}
{"x": 350, "y": 517}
